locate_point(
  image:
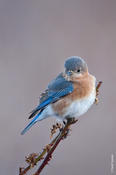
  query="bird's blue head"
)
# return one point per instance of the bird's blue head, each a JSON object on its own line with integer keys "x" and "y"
{"x": 76, "y": 65}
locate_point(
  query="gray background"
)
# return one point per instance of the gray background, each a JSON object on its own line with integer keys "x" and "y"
{"x": 36, "y": 36}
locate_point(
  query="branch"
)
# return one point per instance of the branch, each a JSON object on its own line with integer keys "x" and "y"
{"x": 61, "y": 136}
{"x": 97, "y": 91}
{"x": 33, "y": 161}
{"x": 34, "y": 158}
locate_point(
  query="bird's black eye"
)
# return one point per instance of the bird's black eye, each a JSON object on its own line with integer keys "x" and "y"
{"x": 78, "y": 70}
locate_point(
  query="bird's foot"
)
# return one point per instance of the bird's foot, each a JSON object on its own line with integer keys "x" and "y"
{"x": 71, "y": 120}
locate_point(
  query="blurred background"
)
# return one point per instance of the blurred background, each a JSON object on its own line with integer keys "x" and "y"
{"x": 35, "y": 39}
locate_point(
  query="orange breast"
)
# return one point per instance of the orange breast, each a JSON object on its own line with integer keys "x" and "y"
{"x": 82, "y": 89}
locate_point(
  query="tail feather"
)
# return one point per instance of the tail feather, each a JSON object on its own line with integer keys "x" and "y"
{"x": 30, "y": 124}
{"x": 33, "y": 113}
{"x": 40, "y": 107}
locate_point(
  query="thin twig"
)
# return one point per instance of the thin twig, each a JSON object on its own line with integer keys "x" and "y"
{"x": 63, "y": 134}
{"x": 97, "y": 91}
{"x": 97, "y": 87}
{"x": 23, "y": 171}
{"x": 52, "y": 146}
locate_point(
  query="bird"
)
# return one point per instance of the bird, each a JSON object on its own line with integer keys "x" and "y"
{"x": 69, "y": 95}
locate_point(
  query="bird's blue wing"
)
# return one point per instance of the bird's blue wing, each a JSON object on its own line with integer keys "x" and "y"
{"x": 57, "y": 89}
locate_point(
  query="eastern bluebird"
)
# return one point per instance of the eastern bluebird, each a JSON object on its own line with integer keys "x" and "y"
{"x": 69, "y": 95}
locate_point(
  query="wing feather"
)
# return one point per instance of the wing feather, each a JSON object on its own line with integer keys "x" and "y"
{"x": 57, "y": 89}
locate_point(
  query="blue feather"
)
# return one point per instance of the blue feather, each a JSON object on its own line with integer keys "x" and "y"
{"x": 57, "y": 89}
{"x": 31, "y": 124}
{"x": 45, "y": 103}
{"x": 53, "y": 96}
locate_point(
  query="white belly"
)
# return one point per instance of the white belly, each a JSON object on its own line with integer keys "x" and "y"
{"x": 79, "y": 107}
{"x": 76, "y": 108}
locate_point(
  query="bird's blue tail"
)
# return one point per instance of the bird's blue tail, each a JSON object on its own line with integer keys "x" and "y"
{"x": 31, "y": 124}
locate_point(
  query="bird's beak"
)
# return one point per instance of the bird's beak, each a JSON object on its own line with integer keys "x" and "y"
{"x": 69, "y": 73}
